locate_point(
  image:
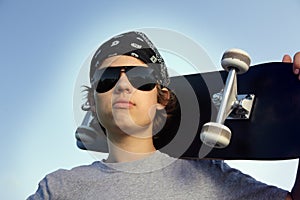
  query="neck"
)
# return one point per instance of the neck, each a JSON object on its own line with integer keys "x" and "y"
{"x": 126, "y": 148}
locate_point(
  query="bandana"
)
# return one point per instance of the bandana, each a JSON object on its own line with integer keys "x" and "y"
{"x": 135, "y": 44}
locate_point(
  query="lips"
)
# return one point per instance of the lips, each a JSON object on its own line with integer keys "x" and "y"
{"x": 123, "y": 104}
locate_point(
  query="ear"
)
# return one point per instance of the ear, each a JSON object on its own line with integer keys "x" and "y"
{"x": 164, "y": 96}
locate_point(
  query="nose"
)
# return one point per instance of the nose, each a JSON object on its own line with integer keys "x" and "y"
{"x": 123, "y": 84}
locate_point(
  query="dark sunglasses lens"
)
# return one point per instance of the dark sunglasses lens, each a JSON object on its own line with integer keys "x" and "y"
{"x": 106, "y": 85}
{"x": 142, "y": 78}
{"x": 147, "y": 87}
{"x": 107, "y": 79}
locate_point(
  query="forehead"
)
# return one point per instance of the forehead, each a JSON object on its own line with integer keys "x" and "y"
{"x": 122, "y": 60}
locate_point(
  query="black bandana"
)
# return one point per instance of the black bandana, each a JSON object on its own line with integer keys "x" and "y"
{"x": 135, "y": 44}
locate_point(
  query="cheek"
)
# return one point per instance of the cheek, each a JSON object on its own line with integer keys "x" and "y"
{"x": 103, "y": 106}
{"x": 146, "y": 106}
{"x": 151, "y": 105}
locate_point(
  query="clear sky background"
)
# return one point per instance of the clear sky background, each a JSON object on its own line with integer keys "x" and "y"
{"x": 44, "y": 44}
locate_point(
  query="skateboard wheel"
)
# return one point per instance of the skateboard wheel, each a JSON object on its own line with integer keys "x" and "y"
{"x": 237, "y": 59}
{"x": 215, "y": 135}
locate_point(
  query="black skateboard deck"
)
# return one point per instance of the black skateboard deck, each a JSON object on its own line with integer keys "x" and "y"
{"x": 271, "y": 133}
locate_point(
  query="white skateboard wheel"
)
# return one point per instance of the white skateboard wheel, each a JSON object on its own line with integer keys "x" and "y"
{"x": 215, "y": 135}
{"x": 85, "y": 134}
{"x": 237, "y": 59}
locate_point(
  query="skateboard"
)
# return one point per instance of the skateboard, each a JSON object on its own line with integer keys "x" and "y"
{"x": 242, "y": 112}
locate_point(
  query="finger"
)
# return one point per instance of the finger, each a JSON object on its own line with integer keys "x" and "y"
{"x": 296, "y": 65}
{"x": 287, "y": 59}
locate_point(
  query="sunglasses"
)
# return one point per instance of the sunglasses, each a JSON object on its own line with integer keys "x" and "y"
{"x": 140, "y": 77}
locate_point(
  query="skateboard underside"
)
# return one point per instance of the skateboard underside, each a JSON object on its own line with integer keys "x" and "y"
{"x": 271, "y": 132}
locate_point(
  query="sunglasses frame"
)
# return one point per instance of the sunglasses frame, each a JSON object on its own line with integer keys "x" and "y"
{"x": 148, "y": 77}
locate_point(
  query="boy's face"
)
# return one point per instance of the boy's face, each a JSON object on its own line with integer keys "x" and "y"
{"x": 124, "y": 107}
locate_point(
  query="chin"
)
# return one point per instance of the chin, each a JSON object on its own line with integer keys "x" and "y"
{"x": 134, "y": 129}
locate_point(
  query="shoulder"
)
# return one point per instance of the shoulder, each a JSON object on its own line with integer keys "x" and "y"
{"x": 212, "y": 174}
{"x": 75, "y": 173}
{"x": 202, "y": 164}
{"x": 60, "y": 182}
{"x": 195, "y": 169}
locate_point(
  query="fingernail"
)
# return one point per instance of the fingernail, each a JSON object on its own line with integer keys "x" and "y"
{"x": 296, "y": 71}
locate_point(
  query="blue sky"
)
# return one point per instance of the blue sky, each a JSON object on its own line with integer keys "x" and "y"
{"x": 44, "y": 44}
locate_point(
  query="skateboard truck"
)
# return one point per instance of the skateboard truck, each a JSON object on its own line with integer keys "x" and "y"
{"x": 241, "y": 108}
{"x": 216, "y": 134}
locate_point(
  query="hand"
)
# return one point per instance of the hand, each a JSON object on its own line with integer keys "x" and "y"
{"x": 296, "y": 68}
{"x": 296, "y": 65}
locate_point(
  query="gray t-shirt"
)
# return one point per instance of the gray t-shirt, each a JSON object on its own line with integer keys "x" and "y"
{"x": 155, "y": 177}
